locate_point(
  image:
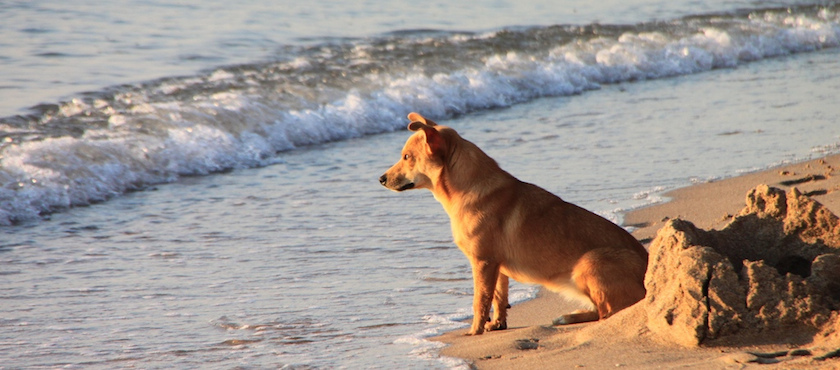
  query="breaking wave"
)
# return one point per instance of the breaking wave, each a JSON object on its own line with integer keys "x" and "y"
{"x": 125, "y": 138}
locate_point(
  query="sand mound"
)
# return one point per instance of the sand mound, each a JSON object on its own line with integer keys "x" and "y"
{"x": 774, "y": 269}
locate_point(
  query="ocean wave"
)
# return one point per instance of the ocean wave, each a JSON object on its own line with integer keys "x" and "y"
{"x": 125, "y": 138}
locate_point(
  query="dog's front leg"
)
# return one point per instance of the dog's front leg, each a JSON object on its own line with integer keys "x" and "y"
{"x": 485, "y": 277}
{"x": 500, "y": 305}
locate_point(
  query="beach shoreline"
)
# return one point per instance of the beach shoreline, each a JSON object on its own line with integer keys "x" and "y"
{"x": 623, "y": 340}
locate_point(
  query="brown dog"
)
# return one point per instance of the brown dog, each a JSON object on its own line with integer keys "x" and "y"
{"x": 509, "y": 228}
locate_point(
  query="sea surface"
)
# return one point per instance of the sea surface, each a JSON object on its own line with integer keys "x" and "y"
{"x": 195, "y": 185}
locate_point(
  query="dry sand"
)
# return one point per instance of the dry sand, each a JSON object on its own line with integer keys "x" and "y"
{"x": 625, "y": 340}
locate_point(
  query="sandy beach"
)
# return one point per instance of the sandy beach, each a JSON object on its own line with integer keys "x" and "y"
{"x": 625, "y": 340}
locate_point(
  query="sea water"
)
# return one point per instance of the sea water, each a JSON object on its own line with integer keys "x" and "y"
{"x": 232, "y": 217}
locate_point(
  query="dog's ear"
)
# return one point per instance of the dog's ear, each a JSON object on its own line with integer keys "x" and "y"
{"x": 416, "y": 126}
{"x": 416, "y": 117}
{"x": 434, "y": 140}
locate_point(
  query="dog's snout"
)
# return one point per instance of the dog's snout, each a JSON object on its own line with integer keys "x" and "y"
{"x": 383, "y": 179}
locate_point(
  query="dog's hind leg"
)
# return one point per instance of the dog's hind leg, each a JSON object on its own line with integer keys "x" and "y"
{"x": 612, "y": 278}
{"x": 570, "y": 289}
{"x": 500, "y": 305}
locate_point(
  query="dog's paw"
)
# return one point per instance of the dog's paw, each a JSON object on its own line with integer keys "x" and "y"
{"x": 495, "y": 325}
{"x": 576, "y": 317}
{"x": 475, "y": 330}
{"x": 562, "y": 320}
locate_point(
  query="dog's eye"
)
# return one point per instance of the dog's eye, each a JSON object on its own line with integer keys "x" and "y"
{"x": 406, "y": 156}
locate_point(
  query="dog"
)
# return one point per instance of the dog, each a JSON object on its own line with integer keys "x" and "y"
{"x": 508, "y": 228}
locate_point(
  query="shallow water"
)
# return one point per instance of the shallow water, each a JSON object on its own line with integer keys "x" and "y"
{"x": 305, "y": 260}
{"x": 260, "y": 267}
{"x": 311, "y": 262}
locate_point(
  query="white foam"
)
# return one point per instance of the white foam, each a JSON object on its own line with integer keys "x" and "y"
{"x": 239, "y": 128}
{"x": 427, "y": 349}
{"x": 442, "y": 323}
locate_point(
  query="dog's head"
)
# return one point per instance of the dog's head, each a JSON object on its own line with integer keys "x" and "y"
{"x": 421, "y": 159}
